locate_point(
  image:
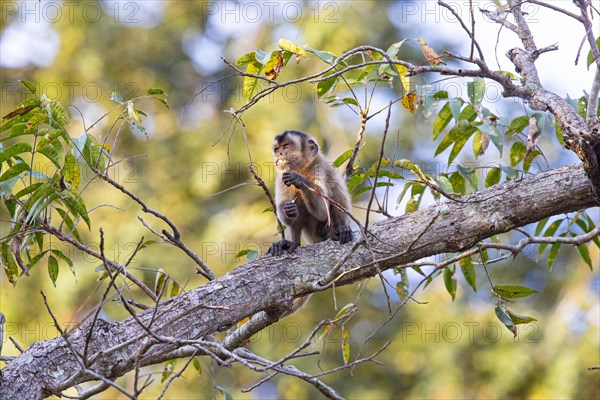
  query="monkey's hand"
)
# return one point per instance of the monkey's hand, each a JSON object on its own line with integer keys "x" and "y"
{"x": 342, "y": 234}
{"x": 278, "y": 248}
{"x": 293, "y": 178}
{"x": 290, "y": 210}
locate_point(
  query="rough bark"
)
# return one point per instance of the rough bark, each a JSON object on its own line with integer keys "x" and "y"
{"x": 269, "y": 282}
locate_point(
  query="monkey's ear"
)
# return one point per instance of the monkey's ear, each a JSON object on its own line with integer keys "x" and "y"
{"x": 313, "y": 147}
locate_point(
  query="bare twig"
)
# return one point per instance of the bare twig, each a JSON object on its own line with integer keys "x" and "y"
{"x": 379, "y": 161}
{"x": 471, "y": 32}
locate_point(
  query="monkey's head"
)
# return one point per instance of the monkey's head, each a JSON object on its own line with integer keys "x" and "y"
{"x": 294, "y": 150}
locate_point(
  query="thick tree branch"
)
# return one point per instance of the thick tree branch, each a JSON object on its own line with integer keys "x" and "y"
{"x": 272, "y": 283}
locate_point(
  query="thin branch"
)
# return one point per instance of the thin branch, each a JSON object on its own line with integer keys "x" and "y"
{"x": 379, "y": 161}
{"x": 471, "y": 32}
{"x": 175, "y": 238}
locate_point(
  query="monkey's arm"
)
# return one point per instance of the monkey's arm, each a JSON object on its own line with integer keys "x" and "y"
{"x": 315, "y": 204}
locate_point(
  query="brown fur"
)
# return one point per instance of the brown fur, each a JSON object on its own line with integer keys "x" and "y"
{"x": 300, "y": 167}
{"x": 317, "y": 219}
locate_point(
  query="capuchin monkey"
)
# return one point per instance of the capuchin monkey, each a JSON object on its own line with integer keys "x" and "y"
{"x": 303, "y": 173}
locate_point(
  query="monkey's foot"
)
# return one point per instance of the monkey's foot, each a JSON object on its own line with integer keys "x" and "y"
{"x": 278, "y": 248}
{"x": 342, "y": 234}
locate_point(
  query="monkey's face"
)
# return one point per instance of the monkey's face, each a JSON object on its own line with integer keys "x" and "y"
{"x": 286, "y": 154}
{"x": 293, "y": 151}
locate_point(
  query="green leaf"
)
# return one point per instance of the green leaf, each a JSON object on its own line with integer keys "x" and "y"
{"x": 70, "y": 171}
{"x": 39, "y": 200}
{"x": 393, "y": 50}
{"x": 362, "y": 190}
{"x": 476, "y": 90}
{"x": 52, "y": 149}
{"x": 250, "y": 84}
{"x": 584, "y": 252}
{"x": 250, "y": 254}
{"x": 505, "y": 319}
{"x": 417, "y": 191}
{"x": 92, "y": 153}
{"x": 590, "y": 227}
{"x": 404, "y": 191}
{"x": 168, "y": 370}
{"x": 590, "y": 56}
{"x": 513, "y": 291}
{"x": 32, "y": 262}
{"x": 326, "y": 56}
{"x": 509, "y": 171}
{"x": 246, "y": 59}
{"x": 455, "y": 106}
{"x": 29, "y": 86}
{"x": 559, "y": 134}
{"x": 459, "y": 133}
{"x": 345, "y": 156}
{"x": 175, "y": 289}
{"x": 10, "y": 266}
{"x": 66, "y": 259}
{"x": 468, "y": 270}
{"x": 197, "y": 365}
{"x": 17, "y": 129}
{"x": 75, "y": 204}
{"x": 553, "y": 253}
{"x": 27, "y": 190}
{"x": 517, "y": 153}
{"x": 517, "y": 125}
{"x": 494, "y": 136}
{"x": 324, "y": 87}
{"x": 53, "y": 269}
{"x": 549, "y": 232}
{"x": 20, "y": 115}
{"x": 147, "y": 243}
{"x": 69, "y": 222}
{"x": 540, "y": 225}
{"x": 460, "y": 143}
{"x": 519, "y": 319}
{"x": 493, "y": 177}
{"x": 444, "y": 183}
{"x": 450, "y": 282}
{"x": 14, "y": 171}
{"x": 470, "y": 175}
{"x": 17, "y": 148}
{"x": 355, "y": 181}
{"x": 442, "y": 120}
{"x": 351, "y": 101}
{"x": 458, "y": 183}
{"x": 155, "y": 91}
{"x": 529, "y": 159}
{"x": 59, "y": 117}
{"x": 402, "y": 286}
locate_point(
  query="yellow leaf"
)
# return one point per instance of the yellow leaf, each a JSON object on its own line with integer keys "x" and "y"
{"x": 345, "y": 346}
{"x": 408, "y": 101}
{"x": 291, "y": 47}
{"x": 274, "y": 66}
{"x": 404, "y": 77}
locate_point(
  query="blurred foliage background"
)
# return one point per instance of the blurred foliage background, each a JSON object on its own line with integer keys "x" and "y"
{"x": 81, "y": 52}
